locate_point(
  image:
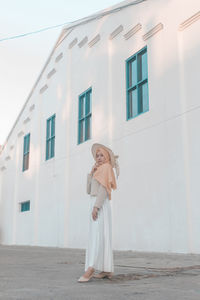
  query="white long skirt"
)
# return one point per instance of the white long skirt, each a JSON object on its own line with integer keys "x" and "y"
{"x": 99, "y": 253}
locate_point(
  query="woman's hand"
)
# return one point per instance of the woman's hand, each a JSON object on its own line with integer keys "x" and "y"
{"x": 95, "y": 213}
{"x": 94, "y": 168}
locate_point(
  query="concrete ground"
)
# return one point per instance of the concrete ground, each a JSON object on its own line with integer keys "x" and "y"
{"x": 51, "y": 274}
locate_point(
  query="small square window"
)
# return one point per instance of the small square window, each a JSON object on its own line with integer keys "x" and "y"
{"x": 25, "y": 206}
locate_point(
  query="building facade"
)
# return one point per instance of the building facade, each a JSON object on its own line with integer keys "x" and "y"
{"x": 126, "y": 77}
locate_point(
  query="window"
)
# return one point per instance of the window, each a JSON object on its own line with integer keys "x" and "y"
{"x": 50, "y": 137}
{"x": 84, "y": 116}
{"x": 24, "y": 206}
{"x": 26, "y": 152}
{"x": 137, "y": 84}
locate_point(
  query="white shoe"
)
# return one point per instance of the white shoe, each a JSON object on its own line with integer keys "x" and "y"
{"x": 84, "y": 279}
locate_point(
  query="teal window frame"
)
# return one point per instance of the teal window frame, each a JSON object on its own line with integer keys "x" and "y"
{"x": 137, "y": 91}
{"x": 25, "y": 206}
{"x": 26, "y": 152}
{"x": 50, "y": 137}
{"x": 85, "y": 116}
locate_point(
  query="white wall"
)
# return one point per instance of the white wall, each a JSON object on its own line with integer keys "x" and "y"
{"x": 155, "y": 207}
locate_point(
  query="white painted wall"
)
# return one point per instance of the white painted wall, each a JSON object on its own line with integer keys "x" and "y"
{"x": 155, "y": 207}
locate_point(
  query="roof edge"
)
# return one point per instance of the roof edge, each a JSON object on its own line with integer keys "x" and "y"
{"x": 66, "y": 30}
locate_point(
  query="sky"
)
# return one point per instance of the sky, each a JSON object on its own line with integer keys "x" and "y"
{"x": 22, "y": 59}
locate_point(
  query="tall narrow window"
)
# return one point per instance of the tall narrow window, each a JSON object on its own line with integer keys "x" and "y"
{"x": 137, "y": 84}
{"x": 26, "y": 152}
{"x": 84, "y": 116}
{"x": 50, "y": 137}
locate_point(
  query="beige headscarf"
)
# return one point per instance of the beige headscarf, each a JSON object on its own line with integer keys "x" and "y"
{"x": 104, "y": 173}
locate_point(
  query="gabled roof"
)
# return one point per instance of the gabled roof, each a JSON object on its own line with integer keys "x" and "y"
{"x": 98, "y": 15}
{"x": 64, "y": 33}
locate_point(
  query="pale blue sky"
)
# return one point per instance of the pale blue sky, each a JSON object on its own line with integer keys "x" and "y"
{"x": 21, "y": 60}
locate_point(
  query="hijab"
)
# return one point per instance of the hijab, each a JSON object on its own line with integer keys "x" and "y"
{"x": 105, "y": 174}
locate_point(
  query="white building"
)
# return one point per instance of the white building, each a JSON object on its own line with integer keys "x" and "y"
{"x": 147, "y": 50}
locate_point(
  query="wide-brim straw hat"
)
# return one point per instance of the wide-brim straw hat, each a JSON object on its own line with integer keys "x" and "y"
{"x": 113, "y": 157}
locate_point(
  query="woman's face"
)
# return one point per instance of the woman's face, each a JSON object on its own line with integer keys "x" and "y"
{"x": 100, "y": 158}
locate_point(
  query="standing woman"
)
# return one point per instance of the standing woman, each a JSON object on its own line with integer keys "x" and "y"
{"x": 100, "y": 181}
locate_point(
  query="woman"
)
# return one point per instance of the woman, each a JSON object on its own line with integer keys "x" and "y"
{"x": 100, "y": 181}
